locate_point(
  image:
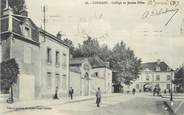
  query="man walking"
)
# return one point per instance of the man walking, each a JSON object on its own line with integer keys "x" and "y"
{"x": 133, "y": 91}
{"x": 56, "y": 93}
{"x": 71, "y": 92}
{"x": 98, "y": 97}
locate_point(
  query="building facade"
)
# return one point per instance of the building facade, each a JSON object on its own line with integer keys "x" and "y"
{"x": 20, "y": 40}
{"x": 54, "y": 65}
{"x": 89, "y": 74}
{"x": 43, "y": 58}
{"x": 101, "y": 75}
{"x": 80, "y": 76}
{"x": 154, "y": 74}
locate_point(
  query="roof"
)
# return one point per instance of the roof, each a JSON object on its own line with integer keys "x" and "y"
{"x": 77, "y": 61}
{"x": 75, "y": 70}
{"x": 53, "y": 37}
{"x": 152, "y": 66}
{"x": 95, "y": 61}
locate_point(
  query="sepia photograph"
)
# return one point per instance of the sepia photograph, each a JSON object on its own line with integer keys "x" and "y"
{"x": 92, "y": 57}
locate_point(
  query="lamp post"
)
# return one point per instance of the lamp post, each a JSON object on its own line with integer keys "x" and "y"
{"x": 171, "y": 92}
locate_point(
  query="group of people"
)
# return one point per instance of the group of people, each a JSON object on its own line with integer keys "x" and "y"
{"x": 71, "y": 92}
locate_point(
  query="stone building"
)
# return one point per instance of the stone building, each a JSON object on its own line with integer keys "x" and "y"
{"x": 152, "y": 74}
{"x": 54, "y": 55}
{"x": 80, "y": 76}
{"x": 20, "y": 40}
{"x": 43, "y": 58}
{"x": 87, "y": 74}
{"x": 101, "y": 75}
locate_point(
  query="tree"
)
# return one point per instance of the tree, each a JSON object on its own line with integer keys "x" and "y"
{"x": 124, "y": 63}
{"x": 16, "y": 5}
{"x": 9, "y": 74}
{"x": 90, "y": 47}
{"x": 179, "y": 79}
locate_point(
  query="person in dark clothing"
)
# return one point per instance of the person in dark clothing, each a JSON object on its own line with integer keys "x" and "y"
{"x": 56, "y": 94}
{"x": 133, "y": 91}
{"x": 98, "y": 97}
{"x": 71, "y": 92}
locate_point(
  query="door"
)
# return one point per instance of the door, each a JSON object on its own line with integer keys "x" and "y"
{"x": 26, "y": 87}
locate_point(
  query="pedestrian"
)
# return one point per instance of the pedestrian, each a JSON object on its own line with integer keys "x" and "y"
{"x": 56, "y": 93}
{"x": 71, "y": 91}
{"x": 98, "y": 97}
{"x": 133, "y": 91}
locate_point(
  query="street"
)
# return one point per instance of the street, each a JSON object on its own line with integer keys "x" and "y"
{"x": 117, "y": 105}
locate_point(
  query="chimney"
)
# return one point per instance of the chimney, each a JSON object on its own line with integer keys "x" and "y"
{"x": 107, "y": 64}
{"x": 158, "y": 61}
{"x": 24, "y": 12}
{"x": 59, "y": 35}
{"x": 7, "y": 10}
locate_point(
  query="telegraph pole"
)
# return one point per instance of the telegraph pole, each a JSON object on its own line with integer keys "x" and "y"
{"x": 44, "y": 19}
{"x": 171, "y": 91}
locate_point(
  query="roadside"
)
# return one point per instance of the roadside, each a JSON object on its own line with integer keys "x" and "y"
{"x": 177, "y": 108}
{"x": 45, "y": 103}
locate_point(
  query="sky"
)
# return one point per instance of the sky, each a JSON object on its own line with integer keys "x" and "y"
{"x": 154, "y": 30}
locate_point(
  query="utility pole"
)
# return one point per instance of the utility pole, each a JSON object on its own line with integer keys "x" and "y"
{"x": 171, "y": 91}
{"x": 44, "y": 8}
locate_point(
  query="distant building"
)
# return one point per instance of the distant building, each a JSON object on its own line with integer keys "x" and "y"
{"x": 152, "y": 74}
{"x": 87, "y": 74}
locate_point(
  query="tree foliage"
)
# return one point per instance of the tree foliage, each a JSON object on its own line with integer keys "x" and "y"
{"x": 70, "y": 44}
{"x": 16, "y": 5}
{"x": 90, "y": 47}
{"x": 123, "y": 61}
{"x": 179, "y": 78}
{"x": 9, "y": 71}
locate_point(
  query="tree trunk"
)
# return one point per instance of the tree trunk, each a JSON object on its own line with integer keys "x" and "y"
{"x": 11, "y": 91}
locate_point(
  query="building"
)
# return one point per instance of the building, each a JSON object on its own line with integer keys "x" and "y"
{"x": 20, "y": 40}
{"x": 87, "y": 74}
{"x": 43, "y": 58}
{"x": 154, "y": 74}
{"x": 54, "y": 64}
{"x": 80, "y": 76}
{"x": 101, "y": 75}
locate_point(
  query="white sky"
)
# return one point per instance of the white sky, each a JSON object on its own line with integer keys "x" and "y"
{"x": 113, "y": 23}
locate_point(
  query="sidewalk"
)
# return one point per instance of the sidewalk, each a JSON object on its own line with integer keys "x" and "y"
{"x": 177, "y": 108}
{"x": 46, "y": 103}
{"x": 175, "y": 95}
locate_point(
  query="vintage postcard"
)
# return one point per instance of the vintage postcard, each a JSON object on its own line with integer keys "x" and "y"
{"x": 96, "y": 57}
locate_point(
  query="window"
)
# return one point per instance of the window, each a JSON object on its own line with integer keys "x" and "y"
{"x": 49, "y": 80}
{"x": 27, "y": 55}
{"x": 158, "y": 77}
{"x": 157, "y": 68}
{"x": 57, "y": 58}
{"x": 147, "y": 78}
{"x": 27, "y": 32}
{"x": 64, "y": 60}
{"x": 57, "y": 82}
{"x": 168, "y": 77}
{"x": 137, "y": 86}
{"x": 168, "y": 86}
{"x": 49, "y": 58}
{"x": 64, "y": 82}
